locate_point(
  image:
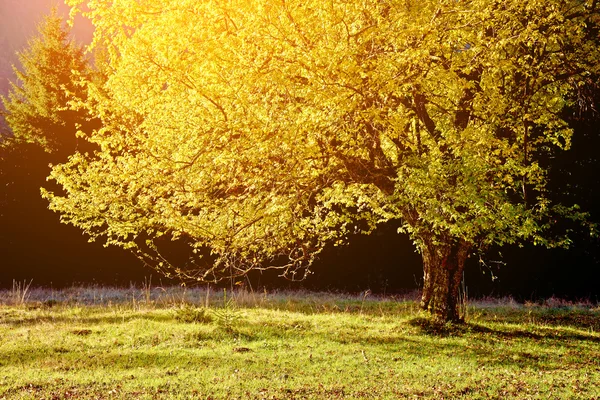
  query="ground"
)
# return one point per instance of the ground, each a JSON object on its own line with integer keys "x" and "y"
{"x": 177, "y": 343}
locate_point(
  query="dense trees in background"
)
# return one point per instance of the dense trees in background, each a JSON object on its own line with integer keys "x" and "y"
{"x": 43, "y": 124}
{"x": 40, "y": 108}
{"x": 573, "y": 178}
{"x": 257, "y": 132}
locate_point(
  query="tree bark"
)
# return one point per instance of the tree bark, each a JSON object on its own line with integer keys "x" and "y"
{"x": 443, "y": 265}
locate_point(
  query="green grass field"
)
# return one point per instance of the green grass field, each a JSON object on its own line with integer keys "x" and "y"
{"x": 162, "y": 343}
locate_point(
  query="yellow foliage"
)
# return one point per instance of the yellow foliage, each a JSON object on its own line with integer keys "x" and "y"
{"x": 264, "y": 129}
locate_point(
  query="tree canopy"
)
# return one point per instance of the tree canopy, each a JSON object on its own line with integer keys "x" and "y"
{"x": 263, "y": 130}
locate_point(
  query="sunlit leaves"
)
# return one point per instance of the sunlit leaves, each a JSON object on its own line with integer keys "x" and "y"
{"x": 265, "y": 129}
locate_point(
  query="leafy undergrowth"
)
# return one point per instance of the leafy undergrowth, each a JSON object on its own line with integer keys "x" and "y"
{"x": 138, "y": 344}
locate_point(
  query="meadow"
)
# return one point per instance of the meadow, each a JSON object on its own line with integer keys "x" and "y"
{"x": 198, "y": 343}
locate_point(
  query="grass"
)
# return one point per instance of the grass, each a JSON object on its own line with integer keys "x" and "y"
{"x": 163, "y": 343}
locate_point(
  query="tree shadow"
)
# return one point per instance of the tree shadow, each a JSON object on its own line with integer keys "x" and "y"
{"x": 430, "y": 327}
{"x": 31, "y": 320}
{"x": 574, "y": 317}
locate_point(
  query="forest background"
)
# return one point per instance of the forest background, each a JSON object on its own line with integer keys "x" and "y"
{"x": 35, "y": 246}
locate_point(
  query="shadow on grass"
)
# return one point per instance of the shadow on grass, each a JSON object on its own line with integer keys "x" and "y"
{"x": 74, "y": 359}
{"x": 575, "y": 319}
{"x": 432, "y": 328}
{"x": 16, "y": 320}
{"x": 580, "y": 318}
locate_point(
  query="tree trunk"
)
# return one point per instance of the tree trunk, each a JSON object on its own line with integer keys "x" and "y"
{"x": 443, "y": 265}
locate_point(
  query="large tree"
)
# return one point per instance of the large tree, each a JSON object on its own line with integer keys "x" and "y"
{"x": 262, "y": 130}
